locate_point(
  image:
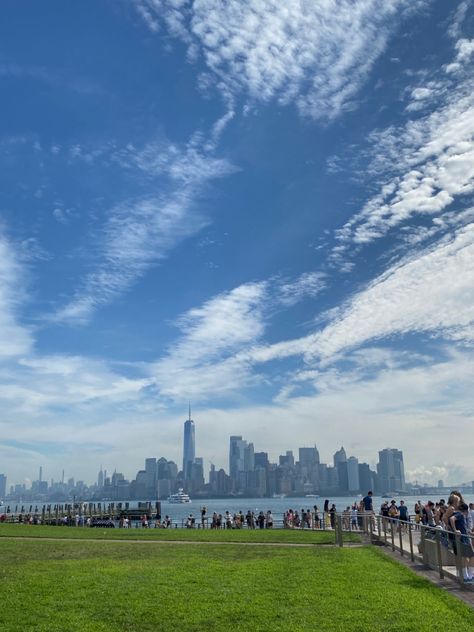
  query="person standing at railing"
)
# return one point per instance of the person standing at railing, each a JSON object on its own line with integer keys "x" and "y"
{"x": 428, "y": 514}
{"x": 439, "y": 514}
{"x": 354, "y": 517}
{"x": 316, "y": 520}
{"x": 326, "y": 513}
{"x": 368, "y": 503}
{"x": 403, "y": 515}
{"x": 269, "y": 520}
{"x": 470, "y": 518}
{"x": 393, "y": 511}
{"x": 458, "y": 523}
{"x": 346, "y": 518}
{"x": 454, "y": 500}
{"x": 417, "y": 509}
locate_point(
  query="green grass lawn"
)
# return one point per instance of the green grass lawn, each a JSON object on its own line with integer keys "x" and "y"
{"x": 109, "y": 586}
{"x": 204, "y": 535}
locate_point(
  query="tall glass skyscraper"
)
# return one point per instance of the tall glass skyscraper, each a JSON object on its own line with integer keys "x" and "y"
{"x": 391, "y": 470}
{"x": 189, "y": 448}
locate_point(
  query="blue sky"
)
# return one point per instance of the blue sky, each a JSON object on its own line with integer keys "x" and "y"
{"x": 263, "y": 208}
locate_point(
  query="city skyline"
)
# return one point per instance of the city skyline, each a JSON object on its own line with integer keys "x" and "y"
{"x": 249, "y": 473}
{"x": 263, "y": 208}
{"x": 345, "y": 474}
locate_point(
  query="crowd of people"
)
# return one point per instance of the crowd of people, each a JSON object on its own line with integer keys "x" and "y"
{"x": 453, "y": 519}
{"x": 251, "y": 520}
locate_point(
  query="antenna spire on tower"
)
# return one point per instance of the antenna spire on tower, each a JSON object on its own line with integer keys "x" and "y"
{"x": 189, "y": 411}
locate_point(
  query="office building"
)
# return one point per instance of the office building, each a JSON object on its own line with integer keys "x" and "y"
{"x": 150, "y": 469}
{"x": 236, "y": 456}
{"x": 340, "y": 465}
{"x": 189, "y": 447}
{"x": 391, "y": 471}
{"x": 308, "y": 457}
{"x": 353, "y": 474}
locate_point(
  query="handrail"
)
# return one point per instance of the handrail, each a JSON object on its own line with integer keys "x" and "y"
{"x": 439, "y": 548}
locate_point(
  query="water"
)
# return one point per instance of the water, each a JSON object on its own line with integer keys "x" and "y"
{"x": 278, "y": 506}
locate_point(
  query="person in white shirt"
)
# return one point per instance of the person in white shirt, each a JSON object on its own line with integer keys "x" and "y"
{"x": 470, "y": 517}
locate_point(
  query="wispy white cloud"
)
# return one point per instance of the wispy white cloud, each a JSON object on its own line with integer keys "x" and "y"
{"x": 213, "y": 355}
{"x": 15, "y": 339}
{"x": 314, "y": 54}
{"x": 308, "y": 284}
{"x": 465, "y": 50}
{"x": 206, "y": 359}
{"x": 139, "y": 233}
{"x": 424, "y": 166}
{"x": 430, "y": 292}
{"x": 434, "y": 399}
{"x": 457, "y": 22}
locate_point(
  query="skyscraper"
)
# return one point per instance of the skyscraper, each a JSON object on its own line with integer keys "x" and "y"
{"x": 391, "y": 470}
{"x": 189, "y": 448}
{"x": 353, "y": 474}
{"x": 150, "y": 469}
{"x": 340, "y": 464}
{"x": 3, "y": 486}
{"x": 309, "y": 457}
{"x": 236, "y": 456}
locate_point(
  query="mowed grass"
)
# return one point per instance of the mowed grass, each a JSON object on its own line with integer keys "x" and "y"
{"x": 290, "y": 536}
{"x": 113, "y": 586}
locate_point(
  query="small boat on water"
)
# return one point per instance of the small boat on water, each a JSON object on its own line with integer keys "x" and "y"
{"x": 179, "y": 498}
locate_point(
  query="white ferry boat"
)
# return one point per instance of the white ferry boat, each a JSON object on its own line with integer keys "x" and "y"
{"x": 179, "y": 498}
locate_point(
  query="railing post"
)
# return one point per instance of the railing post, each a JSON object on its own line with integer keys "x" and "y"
{"x": 410, "y": 536}
{"x": 392, "y": 534}
{"x": 339, "y": 538}
{"x": 384, "y": 522}
{"x": 438, "y": 553}
{"x": 400, "y": 537}
{"x": 459, "y": 560}
{"x": 423, "y": 545}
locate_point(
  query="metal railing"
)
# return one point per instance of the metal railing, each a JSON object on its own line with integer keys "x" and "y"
{"x": 437, "y": 548}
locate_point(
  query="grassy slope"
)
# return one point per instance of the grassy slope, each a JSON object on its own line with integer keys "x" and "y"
{"x": 106, "y": 586}
{"x": 204, "y": 535}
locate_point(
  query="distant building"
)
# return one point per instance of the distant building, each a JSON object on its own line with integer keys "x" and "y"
{"x": 308, "y": 457}
{"x": 340, "y": 465}
{"x": 261, "y": 460}
{"x": 391, "y": 471}
{"x": 3, "y": 486}
{"x": 236, "y": 456}
{"x": 287, "y": 460}
{"x": 353, "y": 474}
{"x": 366, "y": 478}
{"x": 189, "y": 448}
{"x": 150, "y": 469}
